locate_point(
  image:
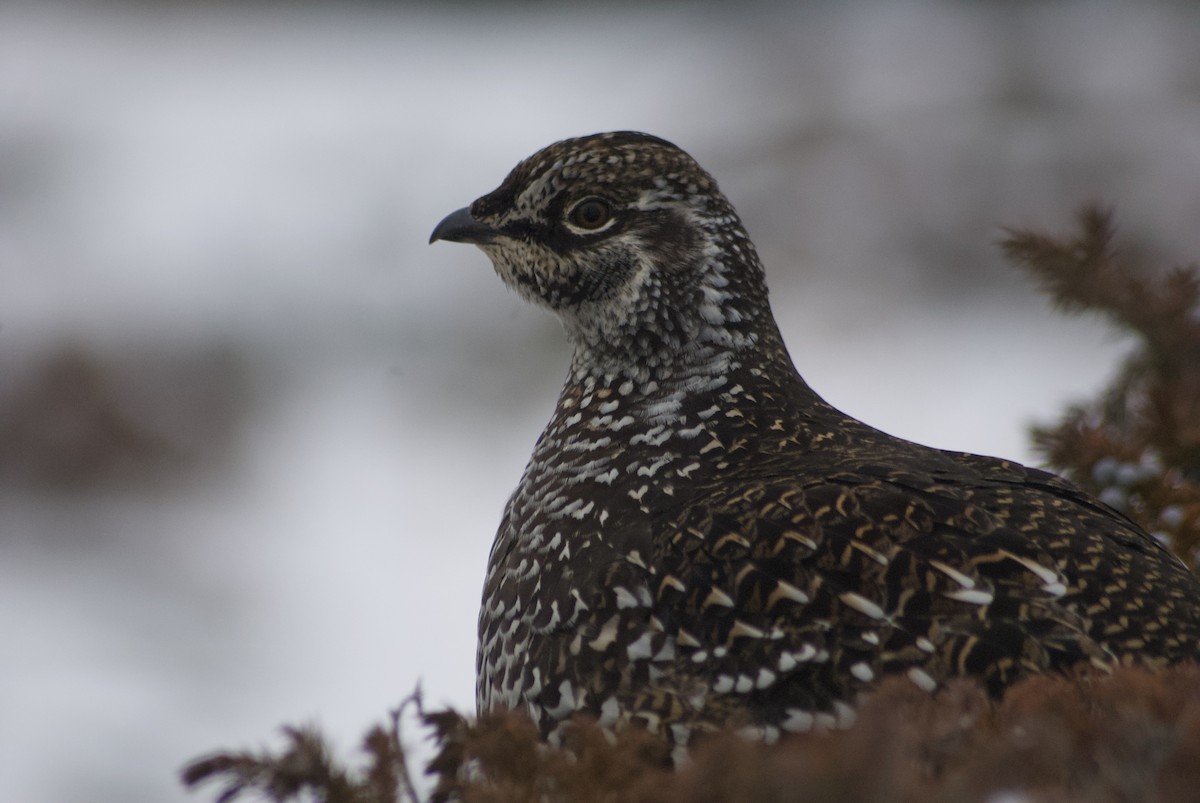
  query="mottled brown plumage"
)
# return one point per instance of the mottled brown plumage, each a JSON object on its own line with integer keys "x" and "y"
{"x": 699, "y": 541}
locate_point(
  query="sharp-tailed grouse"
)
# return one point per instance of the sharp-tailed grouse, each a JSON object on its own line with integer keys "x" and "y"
{"x": 700, "y": 541}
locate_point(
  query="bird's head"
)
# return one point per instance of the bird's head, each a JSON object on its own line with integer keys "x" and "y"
{"x": 627, "y": 240}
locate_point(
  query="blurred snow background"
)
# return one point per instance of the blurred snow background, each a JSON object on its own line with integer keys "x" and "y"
{"x": 255, "y": 435}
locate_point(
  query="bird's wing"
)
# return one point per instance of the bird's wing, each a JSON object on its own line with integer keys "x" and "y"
{"x": 1120, "y": 527}
{"x": 799, "y": 593}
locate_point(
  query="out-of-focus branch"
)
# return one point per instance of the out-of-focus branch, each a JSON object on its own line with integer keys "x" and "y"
{"x": 1137, "y": 446}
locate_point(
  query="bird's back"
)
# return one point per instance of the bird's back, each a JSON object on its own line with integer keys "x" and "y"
{"x": 932, "y": 565}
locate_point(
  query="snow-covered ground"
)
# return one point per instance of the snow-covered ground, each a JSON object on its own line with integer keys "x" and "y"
{"x": 187, "y": 179}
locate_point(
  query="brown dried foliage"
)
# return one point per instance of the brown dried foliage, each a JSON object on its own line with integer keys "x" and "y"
{"x": 1131, "y": 736}
{"x": 1134, "y": 735}
{"x": 305, "y": 769}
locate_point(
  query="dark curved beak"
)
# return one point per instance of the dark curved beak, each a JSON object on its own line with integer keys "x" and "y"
{"x": 460, "y": 227}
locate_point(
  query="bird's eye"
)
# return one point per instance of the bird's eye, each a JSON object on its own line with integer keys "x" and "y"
{"x": 590, "y": 213}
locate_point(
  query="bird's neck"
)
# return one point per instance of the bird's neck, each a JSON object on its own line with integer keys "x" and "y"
{"x": 684, "y": 387}
{"x": 662, "y": 332}
{"x": 674, "y": 406}
{"x": 655, "y": 377}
